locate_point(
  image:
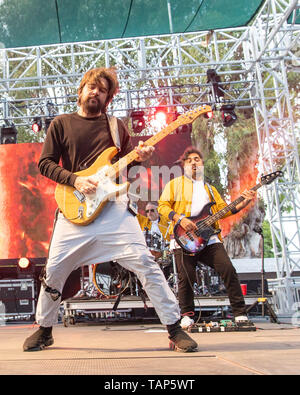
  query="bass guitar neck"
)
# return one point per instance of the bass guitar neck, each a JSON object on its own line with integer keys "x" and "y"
{"x": 194, "y": 242}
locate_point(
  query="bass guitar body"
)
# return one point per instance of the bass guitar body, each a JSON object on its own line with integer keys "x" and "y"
{"x": 83, "y": 209}
{"x": 194, "y": 242}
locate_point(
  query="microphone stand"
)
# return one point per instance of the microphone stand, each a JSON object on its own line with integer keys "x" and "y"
{"x": 263, "y": 300}
{"x": 258, "y": 230}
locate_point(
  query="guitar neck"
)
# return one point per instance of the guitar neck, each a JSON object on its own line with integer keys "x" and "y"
{"x": 156, "y": 138}
{"x": 220, "y": 214}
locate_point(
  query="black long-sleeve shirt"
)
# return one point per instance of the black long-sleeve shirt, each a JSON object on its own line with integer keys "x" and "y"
{"x": 77, "y": 141}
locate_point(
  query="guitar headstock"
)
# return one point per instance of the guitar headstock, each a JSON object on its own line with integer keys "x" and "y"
{"x": 191, "y": 115}
{"x": 268, "y": 178}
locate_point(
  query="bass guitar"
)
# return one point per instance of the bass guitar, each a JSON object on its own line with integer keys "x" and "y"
{"x": 194, "y": 242}
{"x": 82, "y": 209}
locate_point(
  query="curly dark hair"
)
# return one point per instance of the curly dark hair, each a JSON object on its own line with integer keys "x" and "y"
{"x": 187, "y": 152}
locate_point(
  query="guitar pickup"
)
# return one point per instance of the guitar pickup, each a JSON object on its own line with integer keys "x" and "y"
{"x": 80, "y": 212}
{"x": 80, "y": 196}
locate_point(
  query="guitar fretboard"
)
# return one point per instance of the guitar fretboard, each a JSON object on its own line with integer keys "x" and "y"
{"x": 220, "y": 214}
{"x": 122, "y": 163}
{"x": 156, "y": 138}
{"x": 211, "y": 219}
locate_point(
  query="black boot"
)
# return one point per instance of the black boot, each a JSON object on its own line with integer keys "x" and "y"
{"x": 39, "y": 340}
{"x": 179, "y": 339}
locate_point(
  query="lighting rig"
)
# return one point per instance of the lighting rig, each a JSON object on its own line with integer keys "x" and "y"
{"x": 158, "y": 118}
{"x": 138, "y": 121}
{"x": 217, "y": 93}
{"x": 8, "y": 134}
{"x": 37, "y": 124}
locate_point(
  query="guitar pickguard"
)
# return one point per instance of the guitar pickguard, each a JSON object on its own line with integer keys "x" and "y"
{"x": 106, "y": 190}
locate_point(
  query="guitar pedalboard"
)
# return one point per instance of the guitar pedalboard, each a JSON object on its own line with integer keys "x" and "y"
{"x": 222, "y": 326}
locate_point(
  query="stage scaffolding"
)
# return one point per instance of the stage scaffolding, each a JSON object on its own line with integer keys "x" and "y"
{"x": 170, "y": 71}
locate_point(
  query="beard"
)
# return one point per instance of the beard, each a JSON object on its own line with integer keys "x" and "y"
{"x": 196, "y": 173}
{"x": 92, "y": 105}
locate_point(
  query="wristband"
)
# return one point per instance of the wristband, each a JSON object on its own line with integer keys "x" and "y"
{"x": 234, "y": 210}
{"x": 180, "y": 218}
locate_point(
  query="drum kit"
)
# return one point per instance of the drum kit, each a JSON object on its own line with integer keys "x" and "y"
{"x": 163, "y": 255}
{"x": 110, "y": 280}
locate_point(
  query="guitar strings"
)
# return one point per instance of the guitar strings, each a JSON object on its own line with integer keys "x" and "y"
{"x": 211, "y": 220}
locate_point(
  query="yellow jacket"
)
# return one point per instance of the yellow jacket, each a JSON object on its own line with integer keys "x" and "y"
{"x": 176, "y": 198}
{"x": 162, "y": 224}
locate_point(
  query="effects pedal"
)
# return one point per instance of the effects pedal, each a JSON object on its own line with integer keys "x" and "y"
{"x": 245, "y": 326}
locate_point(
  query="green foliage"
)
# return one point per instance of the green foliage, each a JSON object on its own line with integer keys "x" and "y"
{"x": 241, "y": 143}
{"x": 26, "y": 135}
{"x": 294, "y": 82}
{"x": 268, "y": 244}
{"x": 203, "y": 138}
{"x": 212, "y": 171}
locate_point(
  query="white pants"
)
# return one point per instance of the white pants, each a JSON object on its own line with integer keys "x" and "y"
{"x": 114, "y": 235}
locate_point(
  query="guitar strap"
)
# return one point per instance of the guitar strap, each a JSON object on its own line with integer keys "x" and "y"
{"x": 114, "y": 131}
{"x": 211, "y": 192}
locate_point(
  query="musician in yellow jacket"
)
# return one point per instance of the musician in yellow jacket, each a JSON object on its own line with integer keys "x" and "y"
{"x": 186, "y": 196}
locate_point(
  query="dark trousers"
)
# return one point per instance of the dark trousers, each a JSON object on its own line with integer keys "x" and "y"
{"x": 216, "y": 257}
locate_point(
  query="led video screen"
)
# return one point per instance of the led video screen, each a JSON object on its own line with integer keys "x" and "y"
{"x": 27, "y": 198}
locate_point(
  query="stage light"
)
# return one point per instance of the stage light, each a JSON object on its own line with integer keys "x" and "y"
{"x": 215, "y": 80}
{"x": 9, "y": 135}
{"x": 228, "y": 114}
{"x": 160, "y": 118}
{"x": 23, "y": 263}
{"x": 25, "y": 268}
{"x": 37, "y": 125}
{"x": 138, "y": 121}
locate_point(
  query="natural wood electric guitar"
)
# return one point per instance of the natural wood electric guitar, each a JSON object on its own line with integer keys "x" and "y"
{"x": 83, "y": 209}
{"x": 195, "y": 241}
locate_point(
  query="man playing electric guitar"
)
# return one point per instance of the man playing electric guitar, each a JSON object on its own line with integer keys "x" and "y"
{"x": 184, "y": 197}
{"x": 78, "y": 140}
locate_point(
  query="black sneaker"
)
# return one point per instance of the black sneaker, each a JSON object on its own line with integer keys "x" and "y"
{"x": 180, "y": 340}
{"x": 39, "y": 340}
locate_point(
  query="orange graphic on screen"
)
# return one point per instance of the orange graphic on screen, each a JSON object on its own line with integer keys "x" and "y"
{"x": 26, "y": 201}
{"x": 27, "y": 198}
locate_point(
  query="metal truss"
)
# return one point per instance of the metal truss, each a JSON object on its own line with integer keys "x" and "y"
{"x": 166, "y": 70}
{"x": 276, "y": 50}
{"x": 171, "y": 71}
